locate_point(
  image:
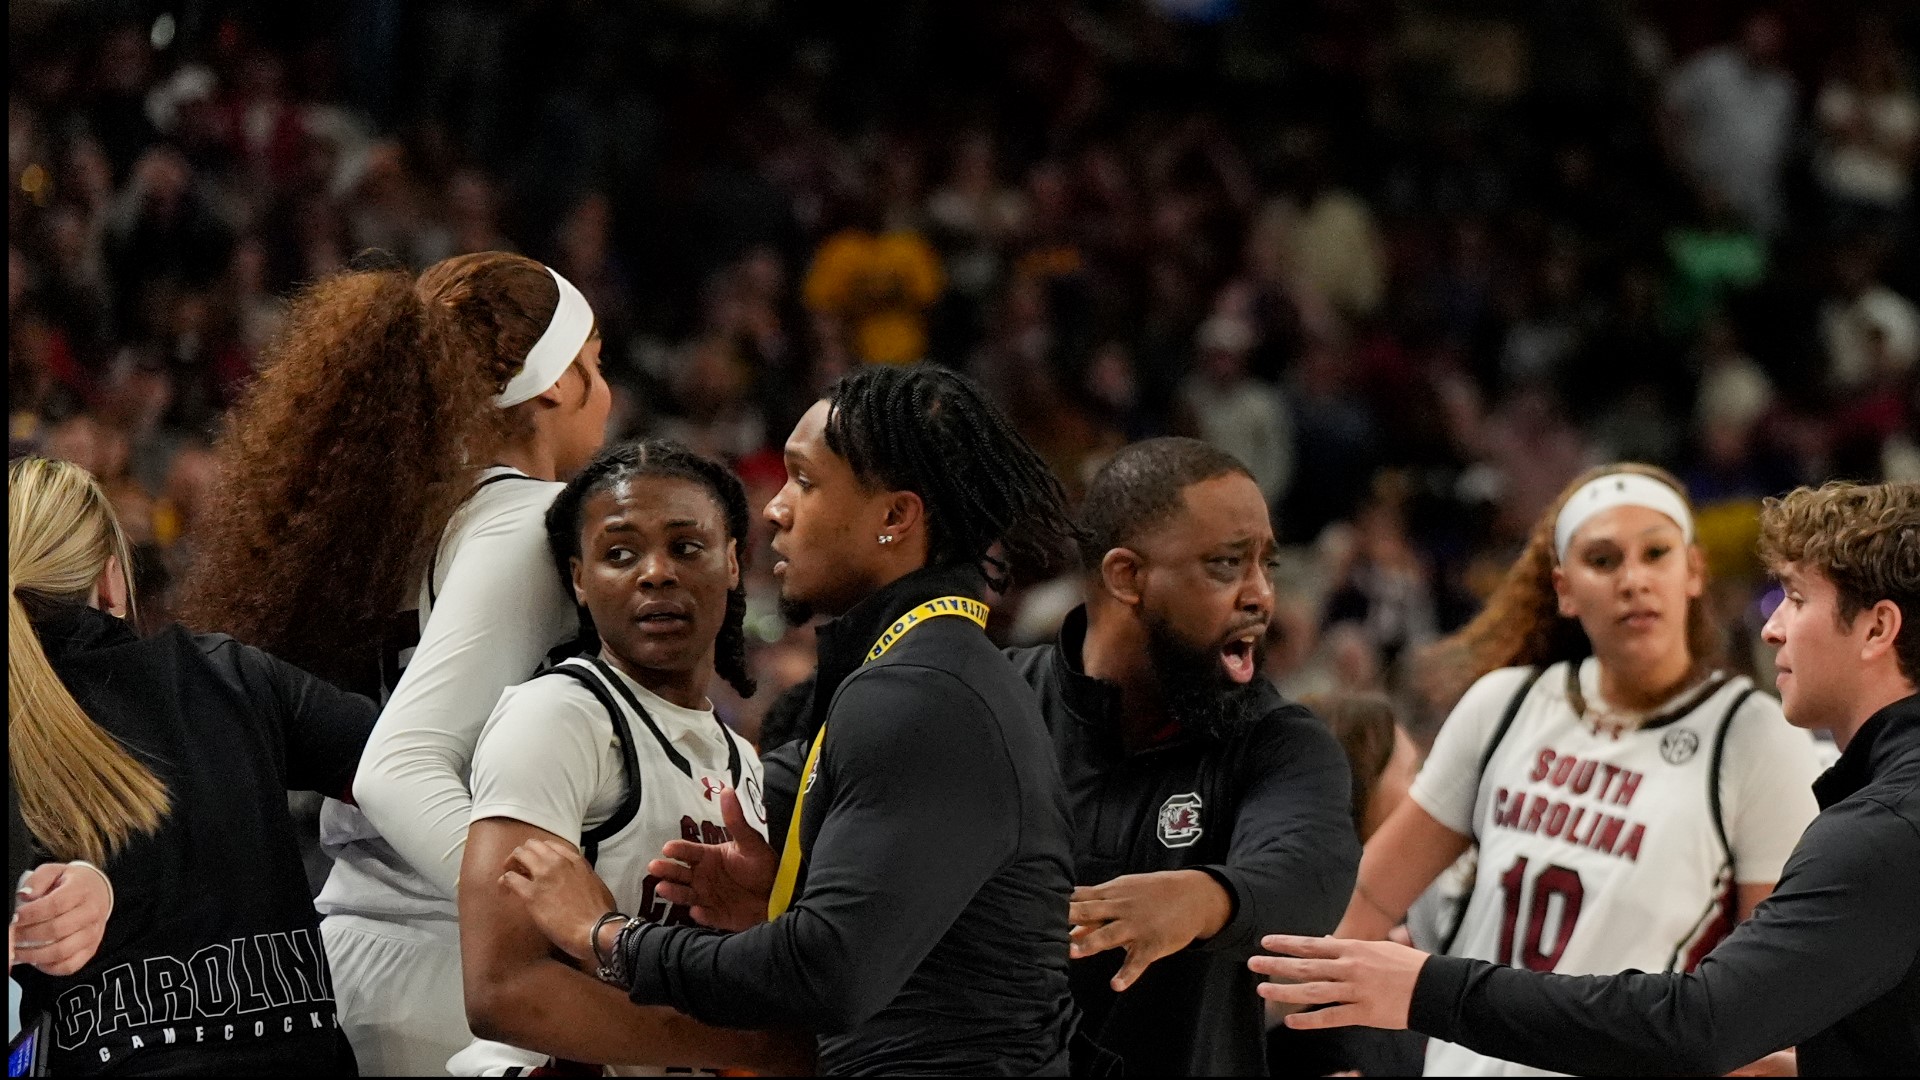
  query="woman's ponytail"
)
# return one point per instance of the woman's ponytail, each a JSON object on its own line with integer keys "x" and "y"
{"x": 82, "y": 794}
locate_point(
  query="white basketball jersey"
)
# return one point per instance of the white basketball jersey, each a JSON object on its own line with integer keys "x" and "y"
{"x": 675, "y": 768}
{"x": 1598, "y": 854}
{"x": 369, "y": 877}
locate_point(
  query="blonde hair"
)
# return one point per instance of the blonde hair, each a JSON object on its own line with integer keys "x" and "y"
{"x": 1521, "y": 624}
{"x": 82, "y": 793}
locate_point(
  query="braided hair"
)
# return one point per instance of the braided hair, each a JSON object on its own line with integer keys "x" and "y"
{"x": 931, "y": 431}
{"x": 660, "y": 457}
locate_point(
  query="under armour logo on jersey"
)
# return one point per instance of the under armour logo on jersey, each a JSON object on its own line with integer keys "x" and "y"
{"x": 1679, "y": 746}
{"x": 1180, "y": 820}
{"x": 714, "y": 787}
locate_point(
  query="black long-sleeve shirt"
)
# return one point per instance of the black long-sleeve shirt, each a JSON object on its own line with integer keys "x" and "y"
{"x": 1266, "y": 813}
{"x": 212, "y": 962}
{"x": 1829, "y": 963}
{"x": 928, "y": 930}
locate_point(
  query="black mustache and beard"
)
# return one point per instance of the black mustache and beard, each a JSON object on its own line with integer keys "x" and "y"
{"x": 1195, "y": 689}
{"x": 795, "y": 612}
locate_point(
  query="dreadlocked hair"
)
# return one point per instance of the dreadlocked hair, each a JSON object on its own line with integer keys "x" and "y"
{"x": 661, "y": 457}
{"x": 932, "y": 431}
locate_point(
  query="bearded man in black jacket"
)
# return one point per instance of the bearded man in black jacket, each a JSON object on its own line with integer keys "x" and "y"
{"x": 1208, "y": 811}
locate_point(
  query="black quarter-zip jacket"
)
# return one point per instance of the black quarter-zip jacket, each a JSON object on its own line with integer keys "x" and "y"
{"x": 928, "y": 931}
{"x": 212, "y": 962}
{"x": 1829, "y": 963}
{"x": 1265, "y": 813}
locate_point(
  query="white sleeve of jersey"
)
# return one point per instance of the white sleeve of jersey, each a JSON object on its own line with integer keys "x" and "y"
{"x": 1766, "y": 789}
{"x": 544, "y": 758}
{"x": 1448, "y": 785}
{"x": 498, "y": 610}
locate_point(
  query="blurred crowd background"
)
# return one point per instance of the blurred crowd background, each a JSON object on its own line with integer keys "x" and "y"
{"x": 1417, "y": 262}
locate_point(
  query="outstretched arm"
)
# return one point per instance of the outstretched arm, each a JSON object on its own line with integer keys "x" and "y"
{"x": 1837, "y": 934}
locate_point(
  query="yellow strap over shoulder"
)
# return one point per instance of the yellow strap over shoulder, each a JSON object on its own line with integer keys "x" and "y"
{"x": 783, "y": 880}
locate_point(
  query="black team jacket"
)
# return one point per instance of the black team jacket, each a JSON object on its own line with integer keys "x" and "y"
{"x": 212, "y": 962}
{"x": 1830, "y": 962}
{"x": 1266, "y": 813}
{"x": 928, "y": 930}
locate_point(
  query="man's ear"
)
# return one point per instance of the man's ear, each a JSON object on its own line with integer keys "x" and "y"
{"x": 1120, "y": 571}
{"x": 1883, "y": 629}
{"x": 905, "y": 513}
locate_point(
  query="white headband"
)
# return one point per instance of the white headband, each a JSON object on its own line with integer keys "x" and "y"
{"x": 1618, "y": 489}
{"x": 572, "y": 324}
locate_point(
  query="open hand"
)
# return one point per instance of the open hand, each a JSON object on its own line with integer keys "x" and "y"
{"x": 1148, "y": 915}
{"x": 62, "y": 917}
{"x": 1368, "y": 983}
{"x": 725, "y": 886}
{"x": 562, "y": 893}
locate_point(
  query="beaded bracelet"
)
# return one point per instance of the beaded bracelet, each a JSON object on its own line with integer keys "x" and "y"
{"x": 617, "y": 964}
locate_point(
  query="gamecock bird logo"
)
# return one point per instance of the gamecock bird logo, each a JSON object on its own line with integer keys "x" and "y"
{"x": 1180, "y": 820}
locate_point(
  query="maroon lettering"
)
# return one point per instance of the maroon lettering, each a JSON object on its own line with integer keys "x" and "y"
{"x": 1541, "y": 766}
{"x": 1631, "y": 849}
{"x": 1515, "y": 807}
{"x": 1557, "y": 819}
{"x": 714, "y": 834}
{"x": 1573, "y": 826}
{"x": 1534, "y": 813}
{"x": 689, "y": 831}
{"x": 1607, "y": 779}
{"x": 1629, "y": 784}
{"x": 1500, "y": 806}
{"x": 1563, "y": 769}
{"x": 1583, "y": 779}
{"x": 1608, "y": 834}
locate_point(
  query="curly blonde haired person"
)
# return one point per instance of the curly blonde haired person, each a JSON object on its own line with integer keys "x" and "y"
{"x": 1830, "y": 962}
{"x": 1628, "y": 801}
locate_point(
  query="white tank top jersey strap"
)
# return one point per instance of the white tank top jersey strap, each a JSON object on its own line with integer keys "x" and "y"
{"x": 588, "y": 754}
{"x": 1598, "y": 854}
{"x": 489, "y": 612}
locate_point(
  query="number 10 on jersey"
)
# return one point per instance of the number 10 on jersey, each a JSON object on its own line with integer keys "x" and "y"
{"x": 1554, "y": 893}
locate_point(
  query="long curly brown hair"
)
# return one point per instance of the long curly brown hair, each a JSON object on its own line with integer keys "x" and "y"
{"x": 1521, "y": 624}
{"x": 369, "y": 420}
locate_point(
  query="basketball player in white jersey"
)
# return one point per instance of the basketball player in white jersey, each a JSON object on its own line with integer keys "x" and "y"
{"x": 1629, "y": 806}
{"x": 614, "y": 756}
{"x": 385, "y": 489}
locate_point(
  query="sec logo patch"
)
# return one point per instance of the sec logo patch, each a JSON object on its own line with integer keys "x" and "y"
{"x": 1180, "y": 821}
{"x": 1678, "y": 747}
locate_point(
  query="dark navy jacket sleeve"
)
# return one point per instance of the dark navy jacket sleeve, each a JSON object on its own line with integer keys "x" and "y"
{"x": 899, "y": 855}
{"x": 1293, "y": 859}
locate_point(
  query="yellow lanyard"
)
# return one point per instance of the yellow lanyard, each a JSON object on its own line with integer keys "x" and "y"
{"x": 789, "y": 872}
